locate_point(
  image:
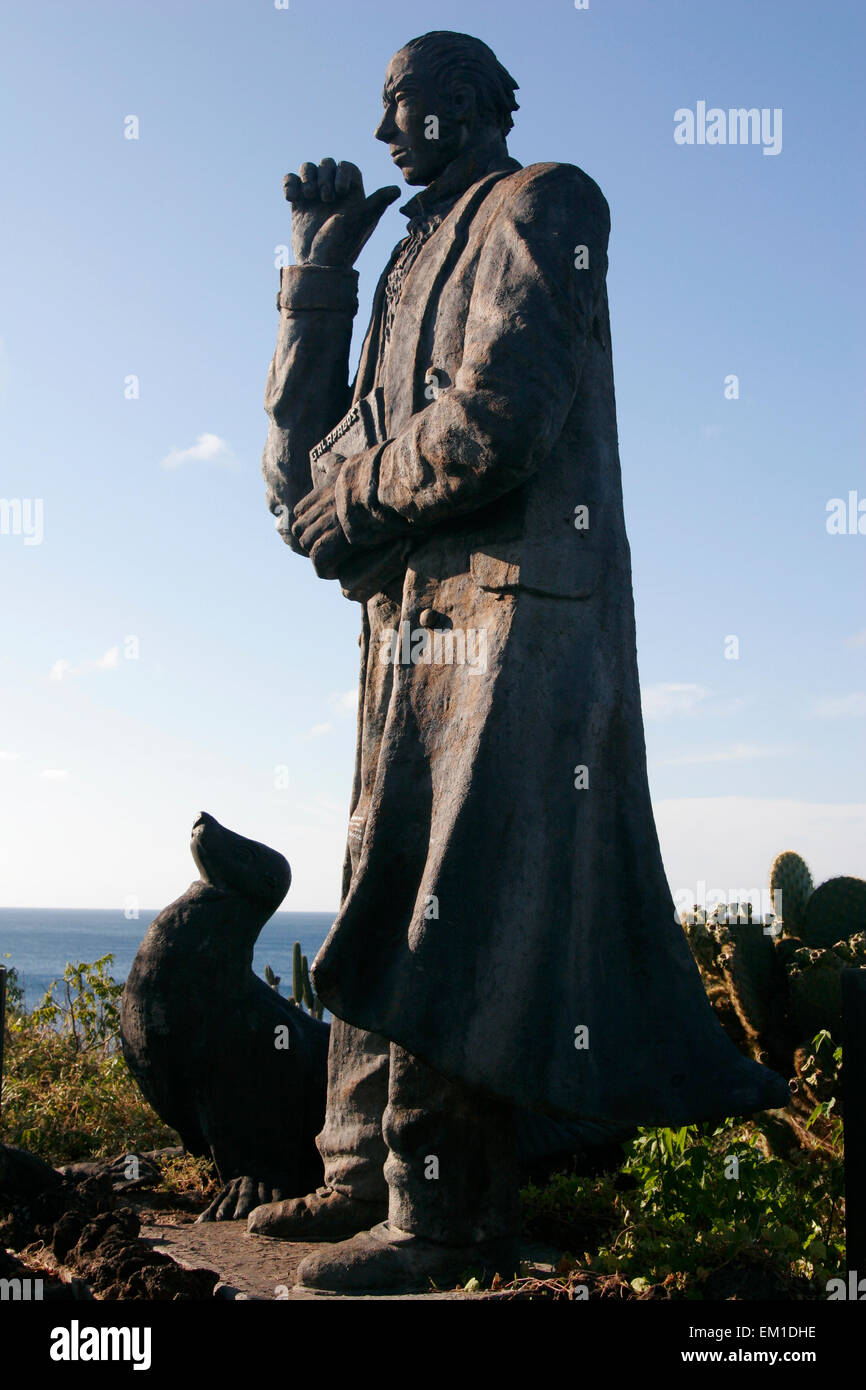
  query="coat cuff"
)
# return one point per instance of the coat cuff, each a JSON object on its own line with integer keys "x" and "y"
{"x": 305, "y": 287}
{"x": 356, "y": 493}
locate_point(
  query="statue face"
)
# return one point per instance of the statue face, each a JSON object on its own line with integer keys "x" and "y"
{"x": 421, "y": 147}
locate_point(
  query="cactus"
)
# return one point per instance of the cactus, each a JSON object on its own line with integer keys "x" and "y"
{"x": 703, "y": 944}
{"x": 272, "y": 979}
{"x": 308, "y": 988}
{"x": 297, "y": 975}
{"x": 815, "y": 992}
{"x": 773, "y": 992}
{"x": 302, "y": 988}
{"x": 815, "y": 985}
{"x": 755, "y": 977}
{"x": 835, "y": 911}
{"x": 790, "y": 877}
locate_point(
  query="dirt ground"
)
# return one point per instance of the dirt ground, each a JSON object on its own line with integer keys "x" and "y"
{"x": 253, "y": 1267}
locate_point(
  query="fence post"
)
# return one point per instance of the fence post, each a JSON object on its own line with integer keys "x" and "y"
{"x": 854, "y": 1102}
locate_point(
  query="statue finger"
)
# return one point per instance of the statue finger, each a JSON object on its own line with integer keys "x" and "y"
{"x": 382, "y": 199}
{"x": 348, "y": 177}
{"x": 327, "y": 553}
{"x": 303, "y": 525}
{"x": 305, "y": 503}
{"x": 316, "y": 530}
{"x": 309, "y": 180}
{"x": 327, "y": 171}
{"x": 292, "y": 188}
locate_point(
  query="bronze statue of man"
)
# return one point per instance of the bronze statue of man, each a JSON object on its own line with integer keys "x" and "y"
{"x": 507, "y": 939}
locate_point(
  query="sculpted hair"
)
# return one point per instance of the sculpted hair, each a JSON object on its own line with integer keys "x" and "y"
{"x": 455, "y": 57}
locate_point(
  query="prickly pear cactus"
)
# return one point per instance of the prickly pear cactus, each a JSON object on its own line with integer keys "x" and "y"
{"x": 790, "y": 878}
{"x": 835, "y": 911}
{"x": 756, "y": 979}
{"x": 705, "y": 947}
{"x": 815, "y": 992}
{"x": 815, "y": 985}
{"x": 773, "y": 991}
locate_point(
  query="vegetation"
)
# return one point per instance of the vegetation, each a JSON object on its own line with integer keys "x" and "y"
{"x": 688, "y": 1213}
{"x": 302, "y": 993}
{"x": 67, "y": 1092}
{"x": 691, "y": 1206}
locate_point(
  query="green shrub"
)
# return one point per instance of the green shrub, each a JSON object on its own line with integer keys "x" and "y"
{"x": 691, "y": 1200}
{"x": 67, "y": 1092}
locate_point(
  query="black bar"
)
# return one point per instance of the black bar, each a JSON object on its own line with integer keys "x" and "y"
{"x": 854, "y": 1101}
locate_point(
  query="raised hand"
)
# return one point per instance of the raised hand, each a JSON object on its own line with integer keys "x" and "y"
{"x": 332, "y": 220}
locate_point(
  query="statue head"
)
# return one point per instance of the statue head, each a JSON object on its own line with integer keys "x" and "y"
{"x": 444, "y": 93}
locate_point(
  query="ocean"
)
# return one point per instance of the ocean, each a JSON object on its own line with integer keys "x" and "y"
{"x": 39, "y": 942}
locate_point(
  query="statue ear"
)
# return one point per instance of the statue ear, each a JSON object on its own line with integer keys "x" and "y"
{"x": 463, "y": 101}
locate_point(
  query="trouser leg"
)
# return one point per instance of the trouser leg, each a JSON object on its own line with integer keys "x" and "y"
{"x": 351, "y": 1142}
{"x": 451, "y": 1167}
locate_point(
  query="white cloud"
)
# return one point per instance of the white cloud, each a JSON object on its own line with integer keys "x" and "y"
{"x": 731, "y": 841}
{"x": 54, "y": 774}
{"x": 208, "y": 448}
{"x": 347, "y": 703}
{"x": 7, "y": 757}
{"x": 63, "y": 668}
{"x": 668, "y": 698}
{"x": 857, "y": 640}
{"x": 840, "y": 706}
{"x": 738, "y": 752}
{"x": 342, "y": 705}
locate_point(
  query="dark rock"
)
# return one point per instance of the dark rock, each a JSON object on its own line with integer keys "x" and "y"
{"x": 85, "y": 1230}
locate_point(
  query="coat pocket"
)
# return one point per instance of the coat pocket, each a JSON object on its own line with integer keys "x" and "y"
{"x": 567, "y": 571}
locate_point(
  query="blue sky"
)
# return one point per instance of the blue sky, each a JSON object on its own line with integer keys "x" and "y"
{"x": 155, "y": 257}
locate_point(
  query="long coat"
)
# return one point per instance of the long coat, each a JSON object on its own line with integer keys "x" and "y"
{"x": 506, "y": 915}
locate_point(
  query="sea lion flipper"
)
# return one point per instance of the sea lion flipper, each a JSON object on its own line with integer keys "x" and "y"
{"x": 238, "y": 1198}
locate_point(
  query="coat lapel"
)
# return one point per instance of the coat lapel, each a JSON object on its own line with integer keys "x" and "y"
{"x": 413, "y": 320}
{"x": 365, "y": 378}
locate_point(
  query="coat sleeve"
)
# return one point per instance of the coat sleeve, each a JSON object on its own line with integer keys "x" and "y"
{"x": 530, "y": 318}
{"x": 307, "y": 390}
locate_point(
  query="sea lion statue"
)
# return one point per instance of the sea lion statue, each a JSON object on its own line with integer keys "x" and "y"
{"x": 237, "y": 1070}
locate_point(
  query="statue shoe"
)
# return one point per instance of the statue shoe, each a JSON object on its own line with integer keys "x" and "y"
{"x": 388, "y": 1260}
{"x": 326, "y": 1214}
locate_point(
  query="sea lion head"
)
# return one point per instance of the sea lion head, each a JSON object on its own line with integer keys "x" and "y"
{"x": 236, "y": 865}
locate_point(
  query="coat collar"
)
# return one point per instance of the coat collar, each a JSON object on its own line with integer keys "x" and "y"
{"x": 458, "y": 176}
